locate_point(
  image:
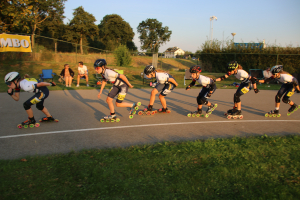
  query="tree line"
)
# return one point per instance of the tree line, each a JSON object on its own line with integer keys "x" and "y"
{"x": 45, "y": 18}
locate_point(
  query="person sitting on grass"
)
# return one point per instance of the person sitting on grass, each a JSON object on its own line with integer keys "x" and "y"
{"x": 82, "y": 72}
{"x": 67, "y": 74}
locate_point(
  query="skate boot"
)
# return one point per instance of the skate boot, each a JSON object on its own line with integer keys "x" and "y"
{"x": 110, "y": 118}
{"x": 133, "y": 109}
{"x": 29, "y": 123}
{"x": 236, "y": 114}
{"x": 195, "y": 113}
{"x": 147, "y": 111}
{"x": 163, "y": 110}
{"x": 229, "y": 112}
{"x": 209, "y": 110}
{"x": 292, "y": 109}
{"x": 273, "y": 113}
{"x": 48, "y": 119}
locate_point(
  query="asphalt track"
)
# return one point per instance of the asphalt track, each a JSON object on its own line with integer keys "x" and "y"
{"x": 79, "y": 112}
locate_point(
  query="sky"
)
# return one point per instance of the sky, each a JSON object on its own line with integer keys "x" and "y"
{"x": 275, "y": 21}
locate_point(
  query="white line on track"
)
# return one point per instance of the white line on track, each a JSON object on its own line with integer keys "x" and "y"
{"x": 145, "y": 125}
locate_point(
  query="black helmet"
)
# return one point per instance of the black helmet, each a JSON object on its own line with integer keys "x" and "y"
{"x": 149, "y": 69}
{"x": 232, "y": 65}
{"x": 99, "y": 63}
{"x": 195, "y": 69}
{"x": 276, "y": 69}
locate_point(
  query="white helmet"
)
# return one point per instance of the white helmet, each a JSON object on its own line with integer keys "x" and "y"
{"x": 11, "y": 76}
{"x": 276, "y": 69}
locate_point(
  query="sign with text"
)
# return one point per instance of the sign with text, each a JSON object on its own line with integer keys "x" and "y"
{"x": 15, "y": 43}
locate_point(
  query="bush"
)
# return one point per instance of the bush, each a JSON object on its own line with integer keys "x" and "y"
{"x": 122, "y": 56}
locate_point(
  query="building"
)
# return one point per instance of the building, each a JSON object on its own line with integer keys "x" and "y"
{"x": 172, "y": 52}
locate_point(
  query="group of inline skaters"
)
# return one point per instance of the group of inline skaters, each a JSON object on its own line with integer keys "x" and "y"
{"x": 165, "y": 84}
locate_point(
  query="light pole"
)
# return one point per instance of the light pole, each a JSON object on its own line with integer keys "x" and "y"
{"x": 211, "y": 19}
{"x": 233, "y": 34}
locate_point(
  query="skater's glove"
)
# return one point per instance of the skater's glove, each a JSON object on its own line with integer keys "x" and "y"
{"x": 188, "y": 87}
{"x": 256, "y": 90}
{"x": 10, "y": 93}
{"x": 52, "y": 84}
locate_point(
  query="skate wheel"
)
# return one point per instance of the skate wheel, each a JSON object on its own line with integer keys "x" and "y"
{"x": 134, "y": 112}
{"x": 40, "y": 120}
{"x": 288, "y": 114}
{"x": 31, "y": 125}
{"x": 274, "y": 115}
{"x": 241, "y": 117}
{"x": 112, "y": 120}
{"x": 266, "y": 115}
{"x": 207, "y": 115}
{"x": 118, "y": 119}
{"x": 216, "y": 105}
{"x": 193, "y": 115}
{"x": 37, "y": 125}
{"x": 102, "y": 120}
{"x": 107, "y": 120}
{"x": 136, "y": 108}
{"x": 168, "y": 111}
{"x": 25, "y": 126}
{"x": 139, "y": 103}
{"x": 140, "y": 113}
{"x": 19, "y": 126}
{"x": 145, "y": 109}
{"x": 189, "y": 115}
{"x": 56, "y": 120}
{"x": 148, "y": 113}
{"x": 228, "y": 116}
{"x": 198, "y": 115}
{"x": 234, "y": 117}
{"x": 130, "y": 116}
{"x": 279, "y": 115}
{"x": 152, "y": 113}
{"x": 202, "y": 115}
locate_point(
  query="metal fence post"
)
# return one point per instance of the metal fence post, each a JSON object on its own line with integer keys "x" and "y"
{"x": 277, "y": 59}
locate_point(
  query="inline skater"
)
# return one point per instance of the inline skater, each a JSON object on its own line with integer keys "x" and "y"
{"x": 207, "y": 90}
{"x": 165, "y": 84}
{"x": 237, "y": 70}
{"x": 15, "y": 83}
{"x": 120, "y": 88}
{"x": 287, "y": 89}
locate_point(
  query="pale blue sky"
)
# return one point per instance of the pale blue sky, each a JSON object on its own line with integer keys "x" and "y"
{"x": 276, "y": 21}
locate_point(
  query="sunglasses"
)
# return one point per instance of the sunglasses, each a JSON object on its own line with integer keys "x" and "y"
{"x": 8, "y": 83}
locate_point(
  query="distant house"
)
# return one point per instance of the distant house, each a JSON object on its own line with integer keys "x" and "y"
{"x": 172, "y": 52}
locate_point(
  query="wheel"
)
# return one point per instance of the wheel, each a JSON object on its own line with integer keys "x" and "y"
{"x": 288, "y": 114}
{"x": 148, "y": 113}
{"x": 107, "y": 120}
{"x": 134, "y": 112}
{"x": 189, "y": 115}
{"x": 229, "y": 116}
{"x": 193, "y": 115}
{"x": 168, "y": 111}
{"x": 112, "y": 120}
{"x": 139, "y": 103}
{"x": 216, "y": 105}
{"x": 153, "y": 112}
{"x": 241, "y": 117}
{"x": 102, "y": 120}
{"x": 31, "y": 125}
{"x": 207, "y": 115}
{"x": 118, "y": 119}
{"x": 140, "y": 113}
{"x": 235, "y": 117}
{"x": 274, "y": 115}
{"x": 278, "y": 115}
{"x": 136, "y": 108}
{"x": 37, "y": 125}
{"x": 40, "y": 120}
{"x": 19, "y": 126}
{"x": 266, "y": 115}
{"x": 198, "y": 115}
{"x": 130, "y": 116}
{"x": 56, "y": 120}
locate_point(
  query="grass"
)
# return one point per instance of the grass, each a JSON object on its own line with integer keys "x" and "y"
{"x": 259, "y": 167}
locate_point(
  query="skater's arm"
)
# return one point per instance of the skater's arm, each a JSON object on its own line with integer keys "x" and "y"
{"x": 172, "y": 80}
{"x": 124, "y": 78}
{"x": 41, "y": 84}
{"x": 15, "y": 95}
{"x": 223, "y": 77}
{"x": 191, "y": 84}
{"x": 253, "y": 81}
{"x": 102, "y": 87}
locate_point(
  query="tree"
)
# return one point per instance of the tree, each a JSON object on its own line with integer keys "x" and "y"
{"x": 122, "y": 55}
{"x": 153, "y": 34}
{"x": 113, "y": 31}
{"x": 81, "y": 26}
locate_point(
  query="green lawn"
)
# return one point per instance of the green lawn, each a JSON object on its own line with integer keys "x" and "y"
{"x": 237, "y": 168}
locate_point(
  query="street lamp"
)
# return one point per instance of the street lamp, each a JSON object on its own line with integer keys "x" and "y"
{"x": 233, "y": 34}
{"x": 211, "y": 19}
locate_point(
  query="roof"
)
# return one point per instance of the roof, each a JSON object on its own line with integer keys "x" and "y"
{"x": 172, "y": 49}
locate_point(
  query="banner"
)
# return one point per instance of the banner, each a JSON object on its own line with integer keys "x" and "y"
{"x": 16, "y": 43}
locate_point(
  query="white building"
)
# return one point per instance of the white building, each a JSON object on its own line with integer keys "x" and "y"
{"x": 172, "y": 52}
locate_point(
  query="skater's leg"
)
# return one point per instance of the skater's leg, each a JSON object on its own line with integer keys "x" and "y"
{"x": 199, "y": 107}
{"x": 163, "y": 101}
{"x": 109, "y": 101}
{"x": 152, "y": 97}
{"x": 239, "y": 105}
{"x": 46, "y": 112}
{"x": 29, "y": 113}
{"x": 124, "y": 104}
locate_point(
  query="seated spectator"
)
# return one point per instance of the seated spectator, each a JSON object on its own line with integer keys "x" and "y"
{"x": 67, "y": 74}
{"x": 267, "y": 73}
{"x": 82, "y": 72}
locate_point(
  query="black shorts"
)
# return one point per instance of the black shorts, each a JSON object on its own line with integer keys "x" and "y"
{"x": 287, "y": 90}
{"x": 121, "y": 91}
{"x": 203, "y": 92}
{"x": 164, "y": 88}
{"x": 38, "y": 98}
{"x": 243, "y": 89}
